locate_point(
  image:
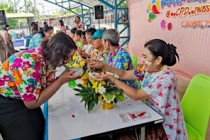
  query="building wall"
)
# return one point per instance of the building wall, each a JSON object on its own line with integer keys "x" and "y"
{"x": 193, "y": 44}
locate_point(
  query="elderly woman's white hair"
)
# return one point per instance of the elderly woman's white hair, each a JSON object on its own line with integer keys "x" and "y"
{"x": 112, "y": 36}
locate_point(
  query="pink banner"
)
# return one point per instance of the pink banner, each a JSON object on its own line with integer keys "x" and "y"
{"x": 185, "y": 24}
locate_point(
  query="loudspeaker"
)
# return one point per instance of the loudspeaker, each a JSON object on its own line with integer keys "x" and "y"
{"x": 2, "y": 17}
{"x": 99, "y": 12}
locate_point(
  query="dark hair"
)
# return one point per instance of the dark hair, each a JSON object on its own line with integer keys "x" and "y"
{"x": 90, "y": 31}
{"x": 61, "y": 22}
{"x": 83, "y": 33}
{"x": 44, "y": 29}
{"x": 78, "y": 32}
{"x": 45, "y": 23}
{"x": 159, "y": 47}
{"x": 5, "y": 27}
{"x": 57, "y": 49}
{"x": 32, "y": 23}
{"x": 73, "y": 30}
{"x": 77, "y": 17}
{"x": 51, "y": 27}
{"x": 35, "y": 27}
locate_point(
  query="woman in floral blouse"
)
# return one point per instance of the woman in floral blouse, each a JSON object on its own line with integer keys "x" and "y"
{"x": 27, "y": 80}
{"x": 158, "y": 87}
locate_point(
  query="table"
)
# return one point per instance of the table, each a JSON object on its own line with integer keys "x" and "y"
{"x": 68, "y": 119}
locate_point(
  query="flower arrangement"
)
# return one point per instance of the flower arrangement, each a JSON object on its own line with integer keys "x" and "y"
{"x": 94, "y": 91}
{"x": 76, "y": 62}
{"x": 79, "y": 64}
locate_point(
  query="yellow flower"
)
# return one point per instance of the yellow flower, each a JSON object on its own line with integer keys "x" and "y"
{"x": 68, "y": 65}
{"x": 75, "y": 65}
{"x": 95, "y": 84}
{"x": 74, "y": 57}
{"x": 82, "y": 63}
{"x": 2, "y": 90}
{"x": 101, "y": 83}
{"x": 85, "y": 76}
{"x": 100, "y": 98}
{"x": 27, "y": 72}
{"x": 84, "y": 83}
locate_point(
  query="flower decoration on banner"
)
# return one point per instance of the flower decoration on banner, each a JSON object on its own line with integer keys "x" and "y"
{"x": 154, "y": 9}
{"x": 169, "y": 26}
{"x": 163, "y": 24}
{"x": 93, "y": 91}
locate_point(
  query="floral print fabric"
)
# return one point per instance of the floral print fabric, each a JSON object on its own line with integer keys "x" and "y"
{"x": 35, "y": 41}
{"x": 162, "y": 89}
{"x": 25, "y": 74}
{"x": 121, "y": 59}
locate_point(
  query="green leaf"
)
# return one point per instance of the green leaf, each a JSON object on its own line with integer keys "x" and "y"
{"x": 9, "y": 92}
{"x": 26, "y": 56}
{"x": 120, "y": 97}
{"x": 24, "y": 82}
{"x": 20, "y": 89}
{"x": 109, "y": 97}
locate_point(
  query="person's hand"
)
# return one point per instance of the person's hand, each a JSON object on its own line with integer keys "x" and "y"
{"x": 96, "y": 65}
{"x": 102, "y": 77}
{"x": 83, "y": 54}
{"x": 88, "y": 60}
{"x": 67, "y": 76}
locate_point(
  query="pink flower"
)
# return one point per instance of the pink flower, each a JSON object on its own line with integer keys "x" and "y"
{"x": 167, "y": 113}
{"x": 160, "y": 94}
{"x": 173, "y": 79}
{"x": 28, "y": 97}
{"x": 16, "y": 91}
{"x": 6, "y": 78}
{"x": 2, "y": 83}
{"x": 159, "y": 85}
{"x": 167, "y": 72}
{"x": 30, "y": 51}
{"x": 168, "y": 105}
{"x": 17, "y": 63}
{"x": 37, "y": 66}
{"x": 26, "y": 65}
{"x": 30, "y": 89}
{"x": 178, "y": 110}
{"x": 171, "y": 126}
{"x": 150, "y": 86}
{"x": 36, "y": 76}
{"x": 178, "y": 131}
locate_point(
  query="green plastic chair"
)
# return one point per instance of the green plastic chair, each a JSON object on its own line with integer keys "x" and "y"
{"x": 134, "y": 61}
{"x": 196, "y": 107}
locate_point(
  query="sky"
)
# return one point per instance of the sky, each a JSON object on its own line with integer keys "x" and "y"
{"x": 41, "y": 4}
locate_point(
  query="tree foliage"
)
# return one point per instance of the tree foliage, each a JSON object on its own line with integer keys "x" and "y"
{"x": 9, "y": 9}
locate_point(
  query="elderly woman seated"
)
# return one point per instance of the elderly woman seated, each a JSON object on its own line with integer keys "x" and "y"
{"x": 117, "y": 56}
